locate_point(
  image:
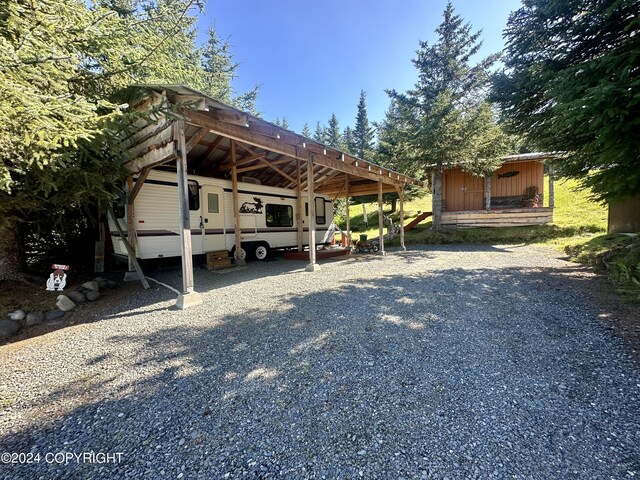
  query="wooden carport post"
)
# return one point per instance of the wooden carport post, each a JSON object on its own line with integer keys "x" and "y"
{"x": 238, "y": 260}
{"x": 380, "y": 219}
{"x": 131, "y": 275}
{"x": 188, "y": 297}
{"x": 487, "y": 191}
{"x": 313, "y": 266}
{"x": 551, "y": 192}
{"x": 401, "y": 195}
{"x": 347, "y": 214}
{"x": 300, "y": 227}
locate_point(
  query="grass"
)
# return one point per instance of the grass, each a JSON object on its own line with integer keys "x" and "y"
{"x": 575, "y": 217}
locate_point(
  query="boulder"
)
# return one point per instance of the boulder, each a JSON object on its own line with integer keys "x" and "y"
{"x": 92, "y": 296}
{"x": 112, "y": 284}
{"x": 8, "y": 328}
{"x": 34, "y": 318}
{"x": 76, "y": 296}
{"x": 93, "y": 285}
{"x": 17, "y": 315}
{"x": 64, "y": 303}
{"x": 102, "y": 282}
{"x": 54, "y": 314}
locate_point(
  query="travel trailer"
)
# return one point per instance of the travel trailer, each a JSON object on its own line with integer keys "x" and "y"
{"x": 267, "y": 218}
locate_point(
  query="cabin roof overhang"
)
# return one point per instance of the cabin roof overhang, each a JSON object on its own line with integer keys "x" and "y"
{"x": 266, "y": 153}
{"x": 522, "y": 157}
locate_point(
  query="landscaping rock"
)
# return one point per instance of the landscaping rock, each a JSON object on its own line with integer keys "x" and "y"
{"x": 8, "y": 328}
{"x": 111, "y": 284}
{"x": 92, "y": 296}
{"x": 34, "y": 318}
{"x": 64, "y": 303}
{"x": 93, "y": 285}
{"x": 54, "y": 314}
{"x": 76, "y": 296}
{"x": 102, "y": 282}
{"x": 17, "y": 315}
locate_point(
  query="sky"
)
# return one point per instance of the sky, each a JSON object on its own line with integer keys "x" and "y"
{"x": 313, "y": 57}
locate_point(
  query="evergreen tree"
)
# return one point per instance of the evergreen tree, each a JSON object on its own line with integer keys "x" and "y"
{"x": 571, "y": 83}
{"x": 333, "y": 138}
{"x": 363, "y": 133}
{"x": 285, "y": 123}
{"x": 306, "y": 132}
{"x": 320, "y": 133}
{"x": 349, "y": 140}
{"x": 442, "y": 112}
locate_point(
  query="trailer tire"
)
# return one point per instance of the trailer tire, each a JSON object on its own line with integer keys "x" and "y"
{"x": 261, "y": 251}
{"x": 243, "y": 253}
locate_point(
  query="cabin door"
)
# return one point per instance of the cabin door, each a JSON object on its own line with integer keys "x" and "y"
{"x": 212, "y": 219}
{"x": 473, "y": 192}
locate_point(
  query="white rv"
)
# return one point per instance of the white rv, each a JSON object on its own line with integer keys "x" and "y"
{"x": 267, "y": 218}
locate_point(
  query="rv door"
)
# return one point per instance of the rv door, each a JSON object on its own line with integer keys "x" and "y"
{"x": 212, "y": 219}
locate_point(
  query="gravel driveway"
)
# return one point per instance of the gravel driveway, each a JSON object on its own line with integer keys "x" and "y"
{"x": 458, "y": 362}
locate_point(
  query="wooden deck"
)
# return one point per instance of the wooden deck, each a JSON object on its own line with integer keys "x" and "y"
{"x": 512, "y": 217}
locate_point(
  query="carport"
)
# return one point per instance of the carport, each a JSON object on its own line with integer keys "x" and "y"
{"x": 184, "y": 129}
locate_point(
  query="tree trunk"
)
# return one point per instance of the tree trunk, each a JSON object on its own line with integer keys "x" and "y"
{"x": 10, "y": 252}
{"x": 394, "y": 201}
{"x": 436, "y": 199}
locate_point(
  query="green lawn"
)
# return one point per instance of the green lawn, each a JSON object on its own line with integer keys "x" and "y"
{"x": 576, "y": 218}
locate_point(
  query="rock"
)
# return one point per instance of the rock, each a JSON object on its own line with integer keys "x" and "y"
{"x": 93, "y": 285}
{"x": 64, "y": 303}
{"x": 92, "y": 296}
{"x": 76, "y": 296}
{"x": 111, "y": 284}
{"x": 34, "y": 318}
{"x": 8, "y": 328}
{"x": 54, "y": 314}
{"x": 102, "y": 283}
{"x": 17, "y": 315}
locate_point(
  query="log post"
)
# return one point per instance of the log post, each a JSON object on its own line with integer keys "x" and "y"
{"x": 299, "y": 205}
{"x": 238, "y": 260}
{"x": 487, "y": 192}
{"x": 380, "y": 219}
{"x": 188, "y": 297}
{"x": 131, "y": 275}
{"x": 401, "y": 195}
{"x": 347, "y": 214}
{"x": 551, "y": 192}
{"x": 436, "y": 199}
{"x": 313, "y": 266}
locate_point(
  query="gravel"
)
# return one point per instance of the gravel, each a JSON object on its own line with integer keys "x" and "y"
{"x": 442, "y": 362}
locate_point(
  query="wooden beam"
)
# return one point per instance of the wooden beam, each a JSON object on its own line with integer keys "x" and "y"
{"x": 236, "y": 206}
{"x": 380, "y": 220}
{"x": 487, "y": 192}
{"x": 262, "y": 165}
{"x": 551, "y": 187}
{"x": 151, "y": 159}
{"x": 278, "y": 146}
{"x": 131, "y": 224}
{"x": 193, "y": 141}
{"x": 277, "y": 169}
{"x": 300, "y": 226}
{"x": 133, "y": 192}
{"x": 205, "y": 158}
{"x": 127, "y": 246}
{"x": 183, "y": 203}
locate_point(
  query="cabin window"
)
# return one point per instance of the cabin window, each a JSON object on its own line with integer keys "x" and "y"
{"x": 321, "y": 216}
{"x": 194, "y": 195}
{"x": 279, "y": 215}
{"x": 213, "y": 204}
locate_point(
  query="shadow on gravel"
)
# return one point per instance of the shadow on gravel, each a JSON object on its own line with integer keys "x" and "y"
{"x": 454, "y": 373}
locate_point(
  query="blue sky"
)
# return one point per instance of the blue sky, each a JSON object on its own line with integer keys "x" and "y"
{"x": 312, "y": 58}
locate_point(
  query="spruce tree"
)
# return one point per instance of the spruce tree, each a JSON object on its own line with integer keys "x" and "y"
{"x": 320, "y": 133}
{"x": 349, "y": 140}
{"x": 363, "y": 133}
{"x": 306, "y": 132}
{"x": 333, "y": 136}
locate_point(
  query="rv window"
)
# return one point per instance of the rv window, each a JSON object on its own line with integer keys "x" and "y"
{"x": 279, "y": 215}
{"x": 212, "y": 203}
{"x": 194, "y": 195}
{"x": 321, "y": 217}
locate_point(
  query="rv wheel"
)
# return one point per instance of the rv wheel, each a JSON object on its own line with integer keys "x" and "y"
{"x": 243, "y": 253}
{"x": 261, "y": 252}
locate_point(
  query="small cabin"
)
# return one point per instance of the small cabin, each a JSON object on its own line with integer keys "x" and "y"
{"x": 513, "y": 195}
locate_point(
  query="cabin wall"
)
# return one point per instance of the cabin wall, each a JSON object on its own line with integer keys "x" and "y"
{"x": 463, "y": 191}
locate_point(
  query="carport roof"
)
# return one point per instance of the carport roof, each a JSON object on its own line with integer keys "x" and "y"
{"x": 266, "y": 153}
